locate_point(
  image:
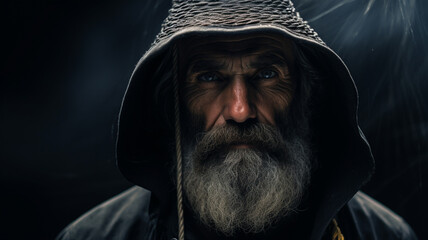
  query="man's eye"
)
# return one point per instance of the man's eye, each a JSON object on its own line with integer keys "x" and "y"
{"x": 267, "y": 74}
{"x": 208, "y": 77}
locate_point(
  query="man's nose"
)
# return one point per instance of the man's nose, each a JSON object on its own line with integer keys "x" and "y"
{"x": 239, "y": 106}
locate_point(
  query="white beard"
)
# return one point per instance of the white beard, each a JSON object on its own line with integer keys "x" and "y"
{"x": 247, "y": 189}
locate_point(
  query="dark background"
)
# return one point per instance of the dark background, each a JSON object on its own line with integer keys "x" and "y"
{"x": 66, "y": 65}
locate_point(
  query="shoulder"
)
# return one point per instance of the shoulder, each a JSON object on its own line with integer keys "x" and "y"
{"x": 375, "y": 221}
{"x": 118, "y": 218}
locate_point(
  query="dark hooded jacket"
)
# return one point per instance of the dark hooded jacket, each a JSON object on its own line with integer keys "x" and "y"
{"x": 145, "y": 145}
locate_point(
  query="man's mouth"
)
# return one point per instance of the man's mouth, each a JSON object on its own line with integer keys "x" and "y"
{"x": 240, "y": 146}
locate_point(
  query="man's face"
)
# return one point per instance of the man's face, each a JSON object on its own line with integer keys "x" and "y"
{"x": 241, "y": 173}
{"x": 238, "y": 79}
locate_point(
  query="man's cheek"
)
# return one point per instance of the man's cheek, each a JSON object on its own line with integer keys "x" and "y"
{"x": 274, "y": 102}
{"x": 197, "y": 98}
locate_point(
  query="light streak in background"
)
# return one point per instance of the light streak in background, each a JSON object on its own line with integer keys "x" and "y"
{"x": 383, "y": 42}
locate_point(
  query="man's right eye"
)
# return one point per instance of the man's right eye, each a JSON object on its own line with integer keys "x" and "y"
{"x": 208, "y": 77}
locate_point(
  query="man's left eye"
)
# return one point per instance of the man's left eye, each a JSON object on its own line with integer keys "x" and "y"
{"x": 267, "y": 74}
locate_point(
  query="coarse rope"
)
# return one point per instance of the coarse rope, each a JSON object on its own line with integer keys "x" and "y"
{"x": 178, "y": 147}
{"x": 337, "y": 234}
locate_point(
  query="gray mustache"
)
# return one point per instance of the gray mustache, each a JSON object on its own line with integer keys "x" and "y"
{"x": 261, "y": 136}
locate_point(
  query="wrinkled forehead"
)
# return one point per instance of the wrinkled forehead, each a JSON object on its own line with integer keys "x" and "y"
{"x": 199, "y": 47}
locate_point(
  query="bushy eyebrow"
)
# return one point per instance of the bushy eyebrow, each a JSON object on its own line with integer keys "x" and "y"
{"x": 264, "y": 59}
{"x": 206, "y": 64}
{"x": 268, "y": 59}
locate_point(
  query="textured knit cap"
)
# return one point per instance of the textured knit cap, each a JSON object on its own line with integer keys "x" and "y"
{"x": 184, "y": 15}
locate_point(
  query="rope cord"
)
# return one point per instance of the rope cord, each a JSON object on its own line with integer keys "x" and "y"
{"x": 178, "y": 148}
{"x": 337, "y": 234}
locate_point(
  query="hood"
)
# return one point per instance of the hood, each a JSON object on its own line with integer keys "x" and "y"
{"x": 145, "y": 143}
